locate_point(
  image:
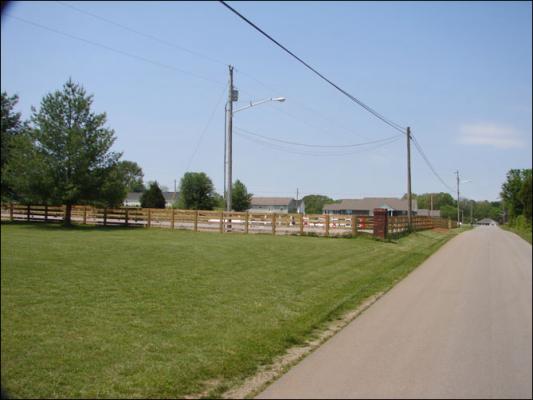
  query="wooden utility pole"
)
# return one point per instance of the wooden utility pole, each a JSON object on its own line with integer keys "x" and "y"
{"x": 458, "y": 214}
{"x": 409, "y": 199}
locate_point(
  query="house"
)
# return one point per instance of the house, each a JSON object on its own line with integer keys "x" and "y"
{"x": 366, "y": 206}
{"x": 133, "y": 199}
{"x": 487, "y": 221}
{"x": 281, "y": 205}
{"x": 424, "y": 212}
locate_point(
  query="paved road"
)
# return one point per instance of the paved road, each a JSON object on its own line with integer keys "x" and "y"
{"x": 458, "y": 327}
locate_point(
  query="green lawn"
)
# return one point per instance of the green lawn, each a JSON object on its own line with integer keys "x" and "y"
{"x": 104, "y": 312}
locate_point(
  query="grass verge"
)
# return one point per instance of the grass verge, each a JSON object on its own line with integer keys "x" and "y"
{"x": 524, "y": 232}
{"x": 112, "y": 312}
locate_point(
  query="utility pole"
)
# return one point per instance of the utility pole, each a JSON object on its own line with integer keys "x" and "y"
{"x": 229, "y": 128}
{"x": 471, "y": 212}
{"x": 431, "y": 207}
{"x": 410, "y": 210}
{"x": 296, "y": 193}
{"x": 458, "y": 216}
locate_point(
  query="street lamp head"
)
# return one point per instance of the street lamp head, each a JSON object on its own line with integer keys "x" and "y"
{"x": 279, "y": 99}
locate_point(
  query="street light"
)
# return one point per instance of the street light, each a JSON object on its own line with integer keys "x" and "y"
{"x": 228, "y": 162}
{"x": 252, "y": 104}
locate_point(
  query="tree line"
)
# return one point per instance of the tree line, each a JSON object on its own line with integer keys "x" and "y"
{"x": 62, "y": 155}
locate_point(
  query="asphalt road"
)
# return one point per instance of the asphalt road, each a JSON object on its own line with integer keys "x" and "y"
{"x": 459, "y": 326}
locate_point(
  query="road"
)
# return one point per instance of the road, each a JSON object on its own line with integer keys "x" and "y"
{"x": 459, "y": 326}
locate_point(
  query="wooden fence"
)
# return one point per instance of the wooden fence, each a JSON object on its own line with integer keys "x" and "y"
{"x": 216, "y": 221}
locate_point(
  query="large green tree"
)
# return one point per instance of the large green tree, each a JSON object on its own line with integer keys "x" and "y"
{"x": 11, "y": 127}
{"x": 240, "y": 198}
{"x": 314, "y": 203}
{"x": 196, "y": 192}
{"x": 153, "y": 197}
{"x": 516, "y": 193}
{"x": 67, "y": 158}
{"x": 132, "y": 174}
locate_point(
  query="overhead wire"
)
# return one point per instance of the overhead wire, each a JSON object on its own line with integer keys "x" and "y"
{"x": 284, "y": 148}
{"x": 425, "y": 158}
{"x": 134, "y": 56}
{"x": 209, "y": 58}
{"x": 342, "y": 146}
{"x": 205, "y": 128}
{"x": 350, "y": 96}
{"x": 146, "y": 35}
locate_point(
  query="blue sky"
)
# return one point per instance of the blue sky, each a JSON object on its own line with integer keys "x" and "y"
{"x": 458, "y": 73}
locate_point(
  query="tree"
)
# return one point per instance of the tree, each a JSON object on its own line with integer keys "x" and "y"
{"x": 153, "y": 197}
{"x": 515, "y": 193}
{"x": 448, "y": 211}
{"x": 11, "y": 127}
{"x": 440, "y": 200}
{"x": 314, "y": 203}
{"x": 68, "y": 158}
{"x": 133, "y": 176}
{"x": 196, "y": 192}
{"x": 525, "y": 194}
{"x": 240, "y": 198}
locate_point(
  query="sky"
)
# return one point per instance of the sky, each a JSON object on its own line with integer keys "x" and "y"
{"x": 457, "y": 73}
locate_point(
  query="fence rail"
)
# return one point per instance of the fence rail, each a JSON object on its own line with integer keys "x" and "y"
{"x": 219, "y": 221}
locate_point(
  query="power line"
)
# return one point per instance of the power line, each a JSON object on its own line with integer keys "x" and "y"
{"x": 319, "y": 145}
{"x": 205, "y": 129}
{"x": 314, "y": 112}
{"x": 419, "y": 148}
{"x": 351, "y": 97}
{"x": 276, "y": 146}
{"x": 198, "y": 54}
{"x": 134, "y": 56}
{"x": 146, "y": 35}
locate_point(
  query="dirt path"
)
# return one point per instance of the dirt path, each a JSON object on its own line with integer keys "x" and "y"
{"x": 458, "y": 327}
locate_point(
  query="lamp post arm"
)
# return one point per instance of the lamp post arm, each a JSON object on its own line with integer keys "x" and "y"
{"x": 253, "y": 104}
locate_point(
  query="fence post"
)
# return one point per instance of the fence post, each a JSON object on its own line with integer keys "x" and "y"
{"x": 11, "y": 211}
{"x": 380, "y": 223}
{"x": 149, "y": 218}
{"x": 246, "y": 219}
{"x": 196, "y": 220}
{"x": 221, "y": 227}
{"x": 354, "y": 225}
{"x": 28, "y": 212}
{"x": 46, "y": 213}
{"x": 326, "y": 224}
{"x": 172, "y": 218}
{"x": 273, "y": 223}
{"x": 84, "y": 215}
{"x": 301, "y": 224}
{"x": 127, "y": 222}
{"x": 105, "y": 216}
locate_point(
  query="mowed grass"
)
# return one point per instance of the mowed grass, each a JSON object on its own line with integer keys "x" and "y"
{"x": 103, "y": 312}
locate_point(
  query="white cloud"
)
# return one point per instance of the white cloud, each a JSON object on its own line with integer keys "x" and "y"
{"x": 490, "y": 134}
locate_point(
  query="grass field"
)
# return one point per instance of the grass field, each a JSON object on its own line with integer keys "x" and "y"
{"x": 96, "y": 312}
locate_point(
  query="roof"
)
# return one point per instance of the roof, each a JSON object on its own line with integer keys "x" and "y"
{"x": 134, "y": 196}
{"x": 369, "y": 203}
{"x": 171, "y": 196}
{"x": 271, "y": 201}
{"x": 486, "y": 221}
